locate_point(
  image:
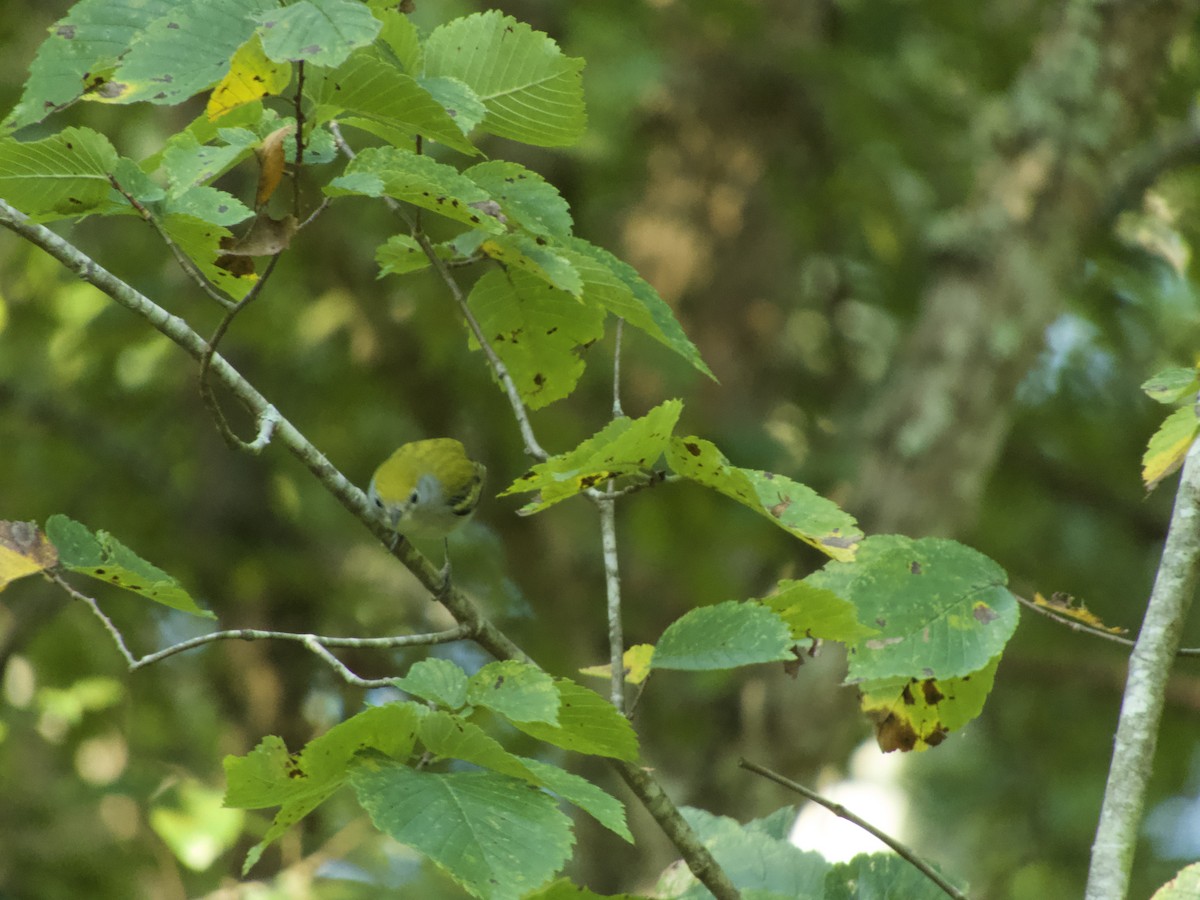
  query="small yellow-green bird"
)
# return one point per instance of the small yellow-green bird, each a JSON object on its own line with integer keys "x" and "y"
{"x": 427, "y": 488}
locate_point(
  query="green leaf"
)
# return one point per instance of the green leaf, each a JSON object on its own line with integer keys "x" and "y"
{"x": 82, "y": 48}
{"x": 880, "y": 876}
{"x": 755, "y": 861}
{"x": 416, "y": 179}
{"x": 449, "y": 736}
{"x": 399, "y": 255}
{"x": 186, "y": 162}
{"x": 918, "y": 713}
{"x": 1184, "y": 886}
{"x": 723, "y": 636}
{"x": 617, "y": 286}
{"x": 587, "y": 723}
{"x": 622, "y": 447}
{"x": 459, "y": 101}
{"x": 182, "y": 53}
{"x": 532, "y": 92}
{"x": 529, "y": 254}
{"x": 942, "y": 609}
{"x": 201, "y": 242}
{"x": 1169, "y": 445}
{"x": 1172, "y": 385}
{"x": 794, "y": 507}
{"x": 600, "y": 805}
{"x": 63, "y": 175}
{"x": 103, "y": 557}
{"x": 299, "y": 783}
{"x": 369, "y": 88}
{"x": 564, "y": 889}
{"x": 527, "y": 199}
{"x": 516, "y": 690}
{"x": 399, "y": 35}
{"x": 810, "y": 611}
{"x": 489, "y": 832}
{"x": 436, "y": 680}
{"x": 537, "y": 331}
{"x": 322, "y": 32}
{"x": 209, "y": 205}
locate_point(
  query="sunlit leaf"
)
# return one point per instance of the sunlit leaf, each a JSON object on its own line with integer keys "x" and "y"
{"x": 623, "y": 447}
{"x": 537, "y": 331}
{"x": 1169, "y": 445}
{"x": 811, "y": 611}
{"x": 1068, "y": 607}
{"x": 794, "y": 507}
{"x": 251, "y": 76}
{"x": 587, "y": 723}
{"x": 635, "y": 661}
{"x": 1172, "y": 385}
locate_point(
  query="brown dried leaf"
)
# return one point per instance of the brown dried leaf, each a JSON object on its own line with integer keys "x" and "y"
{"x": 271, "y": 163}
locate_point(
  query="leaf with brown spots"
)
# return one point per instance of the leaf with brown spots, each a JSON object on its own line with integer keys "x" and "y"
{"x": 624, "y": 447}
{"x": 1070, "y": 608}
{"x": 792, "y": 506}
{"x": 916, "y": 714}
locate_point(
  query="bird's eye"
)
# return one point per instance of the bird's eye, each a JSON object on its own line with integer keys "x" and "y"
{"x": 414, "y": 496}
{"x": 378, "y": 503}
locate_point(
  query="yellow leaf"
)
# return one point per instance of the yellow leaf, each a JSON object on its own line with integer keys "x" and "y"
{"x": 636, "y": 661}
{"x": 1069, "y": 608}
{"x": 1169, "y": 445}
{"x": 24, "y": 550}
{"x": 251, "y": 77}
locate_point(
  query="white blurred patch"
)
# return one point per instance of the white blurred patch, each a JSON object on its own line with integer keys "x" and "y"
{"x": 872, "y": 792}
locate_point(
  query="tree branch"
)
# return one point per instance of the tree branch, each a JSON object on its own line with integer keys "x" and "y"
{"x": 1145, "y": 691}
{"x": 698, "y": 858}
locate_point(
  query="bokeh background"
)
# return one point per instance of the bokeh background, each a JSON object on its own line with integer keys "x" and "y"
{"x": 930, "y": 251}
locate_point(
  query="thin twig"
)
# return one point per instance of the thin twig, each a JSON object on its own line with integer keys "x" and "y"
{"x": 325, "y": 642}
{"x": 206, "y": 391}
{"x": 91, "y": 604}
{"x": 838, "y": 810}
{"x": 185, "y": 262}
{"x": 698, "y": 857}
{"x": 298, "y": 106}
{"x": 1084, "y": 628}
{"x": 612, "y": 586}
{"x": 499, "y": 369}
{"x": 617, "y": 411}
